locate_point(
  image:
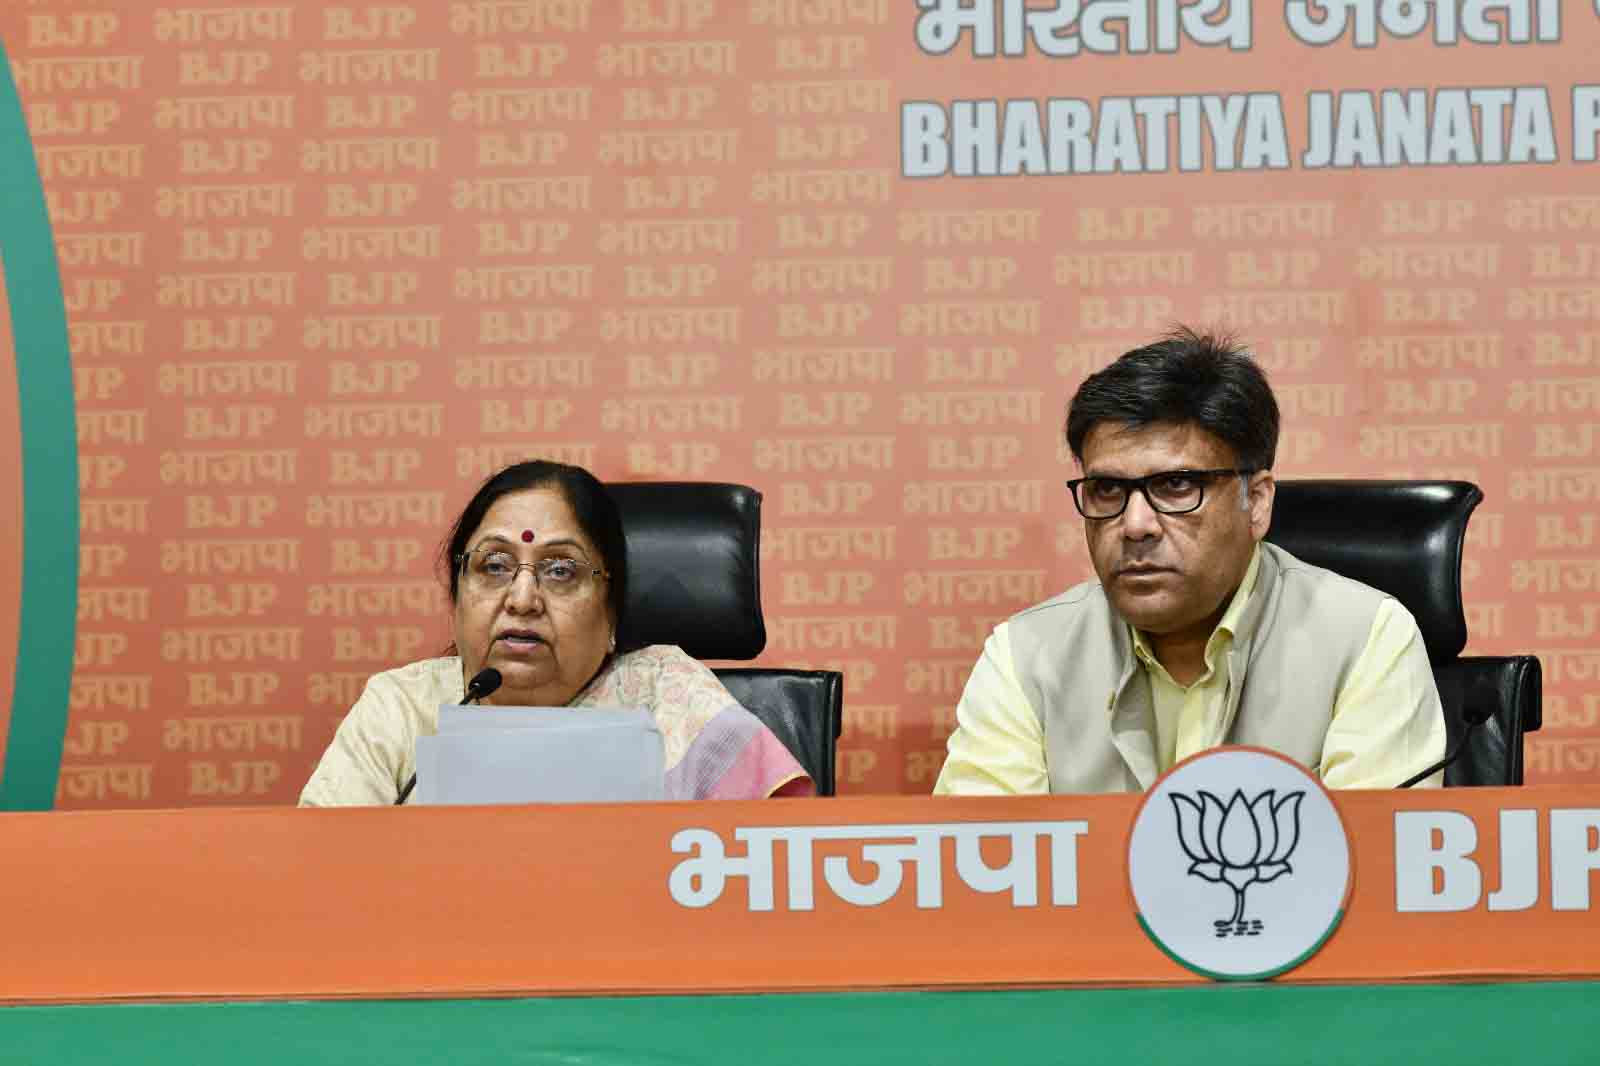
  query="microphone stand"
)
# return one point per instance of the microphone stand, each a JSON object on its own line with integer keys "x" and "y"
{"x": 483, "y": 683}
{"x": 1471, "y": 720}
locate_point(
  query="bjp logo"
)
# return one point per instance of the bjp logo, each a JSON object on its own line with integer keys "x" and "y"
{"x": 1236, "y": 817}
{"x": 1246, "y": 843}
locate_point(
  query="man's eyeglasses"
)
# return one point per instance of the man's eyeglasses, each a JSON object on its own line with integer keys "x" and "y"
{"x": 1167, "y": 492}
{"x": 485, "y": 571}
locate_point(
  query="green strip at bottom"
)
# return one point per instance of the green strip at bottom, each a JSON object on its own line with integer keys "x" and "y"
{"x": 1239, "y": 1025}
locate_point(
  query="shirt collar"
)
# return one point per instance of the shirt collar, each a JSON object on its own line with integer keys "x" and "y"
{"x": 1226, "y": 628}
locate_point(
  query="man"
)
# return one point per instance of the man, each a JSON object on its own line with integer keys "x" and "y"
{"x": 1197, "y": 633}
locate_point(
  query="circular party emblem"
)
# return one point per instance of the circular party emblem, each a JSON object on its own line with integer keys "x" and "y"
{"x": 1239, "y": 864}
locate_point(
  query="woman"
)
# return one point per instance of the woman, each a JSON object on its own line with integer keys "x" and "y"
{"x": 538, "y": 575}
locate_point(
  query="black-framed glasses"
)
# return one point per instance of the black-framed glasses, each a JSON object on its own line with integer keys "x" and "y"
{"x": 490, "y": 570}
{"x": 1167, "y": 491}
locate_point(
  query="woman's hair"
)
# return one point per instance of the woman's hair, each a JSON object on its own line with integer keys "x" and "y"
{"x": 1201, "y": 379}
{"x": 591, "y": 505}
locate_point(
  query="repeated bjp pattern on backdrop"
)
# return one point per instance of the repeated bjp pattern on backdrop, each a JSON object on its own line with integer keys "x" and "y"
{"x": 325, "y": 266}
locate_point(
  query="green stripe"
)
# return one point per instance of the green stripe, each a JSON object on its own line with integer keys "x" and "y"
{"x": 1238, "y": 1024}
{"x": 48, "y": 612}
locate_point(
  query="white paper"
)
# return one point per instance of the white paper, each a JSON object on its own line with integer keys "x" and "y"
{"x": 540, "y": 755}
{"x": 455, "y": 718}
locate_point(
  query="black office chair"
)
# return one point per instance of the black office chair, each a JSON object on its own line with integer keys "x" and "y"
{"x": 1405, "y": 538}
{"x": 694, "y": 580}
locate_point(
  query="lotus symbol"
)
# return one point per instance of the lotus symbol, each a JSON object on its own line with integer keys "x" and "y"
{"x": 1242, "y": 843}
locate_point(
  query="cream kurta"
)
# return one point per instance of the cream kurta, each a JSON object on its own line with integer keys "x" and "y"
{"x": 714, "y": 748}
{"x": 1377, "y": 724}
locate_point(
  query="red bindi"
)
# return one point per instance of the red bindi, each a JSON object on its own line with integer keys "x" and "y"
{"x": 527, "y": 536}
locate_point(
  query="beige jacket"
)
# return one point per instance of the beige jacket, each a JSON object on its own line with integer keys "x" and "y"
{"x": 1297, "y": 641}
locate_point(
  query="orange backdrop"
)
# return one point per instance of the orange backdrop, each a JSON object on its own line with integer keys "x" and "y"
{"x": 328, "y": 265}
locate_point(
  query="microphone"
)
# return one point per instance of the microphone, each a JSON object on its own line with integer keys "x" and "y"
{"x": 1472, "y": 717}
{"x": 482, "y": 684}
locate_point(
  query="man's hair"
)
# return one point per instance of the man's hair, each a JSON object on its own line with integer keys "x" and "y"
{"x": 1204, "y": 379}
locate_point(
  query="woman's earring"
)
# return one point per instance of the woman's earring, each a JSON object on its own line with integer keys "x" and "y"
{"x": 613, "y": 642}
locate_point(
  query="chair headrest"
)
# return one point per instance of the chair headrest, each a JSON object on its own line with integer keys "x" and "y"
{"x": 1401, "y": 537}
{"x": 694, "y": 567}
